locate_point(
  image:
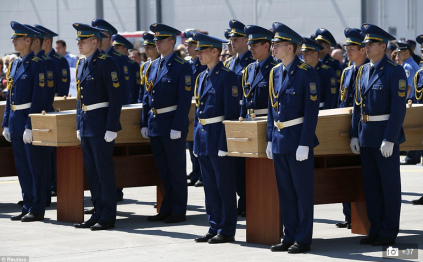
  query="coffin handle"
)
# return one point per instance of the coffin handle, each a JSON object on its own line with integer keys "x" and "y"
{"x": 238, "y": 139}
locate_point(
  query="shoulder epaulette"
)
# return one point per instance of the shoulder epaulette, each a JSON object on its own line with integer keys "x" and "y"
{"x": 131, "y": 61}
{"x": 103, "y": 56}
{"x": 117, "y": 53}
{"x": 303, "y": 66}
{"x": 273, "y": 63}
{"x": 225, "y": 69}
{"x": 180, "y": 60}
{"x": 35, "y": 59}
{"x": 392, "y": 62}
{"x": 331, "y": 59}
{"x": 278, "y": 65}
{"x": 325, "y": 67}
{"x": 59, "y": 56}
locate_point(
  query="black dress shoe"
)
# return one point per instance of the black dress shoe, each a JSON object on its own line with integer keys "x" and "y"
{"x": 204, "y": 238}
{"x": 30, "y": 217}
{"x": 367, "y": 240}
{"x": 101, "y": 227}
{"x": 175, "y": 219}
{"x": 345, "y": 224}
{"x": 284, "y": 246}
{"x": 383, "y": 241}
{"x": 17, "y": 217}
{"x": 405, "y": 162}
{"x": 155, "y": 205}
{"x": 297, "y": 248}
{"x": 241, "y": 210}
{"x": 87, "y": 224}
{"x": 192, "y": 183}
{"x": 53, "y": 193}
{"x": 119, "y": 199}
{"x": 158, "y": 217}
{"x": 199, "y": 183}
{"x": 218, "y": 239}
{"x": 418, "y": 201}
{"x": 89, "y": 211}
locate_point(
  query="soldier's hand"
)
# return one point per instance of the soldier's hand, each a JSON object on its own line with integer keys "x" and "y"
{"x": 144, "y": 132}
{"x": 355, "y": 145}
{"x": 387, "y": 148}
{"x": 110, "y": 136}
{"x": 27, "y": 136}
{"x": 302, "y": 153}
{"x": 6, "y": 134}
{"x": 269, "y": 150}
{"x": 222, "y": 153}
{"x": 175, "y": 134}
{"x": 78, "y": 135}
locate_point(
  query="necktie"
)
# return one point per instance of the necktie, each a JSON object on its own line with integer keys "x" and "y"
{"x": 85, "y": 65}
{"x": 160, "y": 67}
{"x": 236, "y": 61}
{"x": 372, "y": 70}
{"x": 19, "y": 63}
{"x": 284, "y": 75}
{"x": 257, "y": 70}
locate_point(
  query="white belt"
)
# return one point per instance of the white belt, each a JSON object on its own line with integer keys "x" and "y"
{"x": 94, "y": 106}
{"x": 258, "y": 111}
{"x": 289, "y": 123}
{"x": 367, "y": 118}
{"x": 20, "y": 107}
{"x": 322, "y": 104}
{"x": 163, "y": 110}
{"x": 208, "y": 121}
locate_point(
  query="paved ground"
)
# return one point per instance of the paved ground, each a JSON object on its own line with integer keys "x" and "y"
{"x": 135, "y": 239}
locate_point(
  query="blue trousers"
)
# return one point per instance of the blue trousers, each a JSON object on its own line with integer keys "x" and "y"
{"x": 169, "y": 155}
{"x": 31, "y": 166}
{"x": 99, "y": 170}
{"x": 382, "y": 188}
{"x": 295, "y": 186}
{"x": 240, "y": 181}
{"x": 196, "y": 172}
{"x": 219, "y": 181}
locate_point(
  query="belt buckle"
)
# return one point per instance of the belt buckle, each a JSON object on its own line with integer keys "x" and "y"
{"x": 84, "y": 108}
{"x": 279, "y": 125}
{"x": 365, "y": 118}
{"x": 154, "y": 111}
{"x": 13, "y": 107}
{"x": 202, "y": 121}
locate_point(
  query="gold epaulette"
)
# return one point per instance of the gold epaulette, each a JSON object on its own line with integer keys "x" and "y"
{"x": 180, "y": 60}
{"x": 303, "y": 66}
{"x": 103, "y": 56}
{"x": 58, "y": 56}
{"x": 117, "y": 53}
{"x": 325, "y": 66}
{"x": 35, "y": 59}
{"x": 391, "y": 62}
{"x": 225, "y": 69}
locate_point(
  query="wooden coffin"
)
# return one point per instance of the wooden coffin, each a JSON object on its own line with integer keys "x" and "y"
{"x": 64, "y": 103}
{"x": 2, "y": 107}
{"x": 59, "y": 128}
{"x": 248, "y": 138}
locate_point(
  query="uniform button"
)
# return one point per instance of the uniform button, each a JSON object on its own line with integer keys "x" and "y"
{"x": 364, "y": 105}
{"x": 154, "y": 91}
{"x": 201, "y": 112}
{"x": 82, "y": 96}
{"x": 82, "y": 87}
{"x": 365, "y": 97}
{"x": 152, "y": 99}
{"x": 202, "y": 103}
{"x": 154, "y": 116}
{"x": 293, "y": 93}
{"x": 168, "y": 81}
{"x": 202, "y": 130}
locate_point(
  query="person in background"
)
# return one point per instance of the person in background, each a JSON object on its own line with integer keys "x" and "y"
{"x": 135, "y": 55}
{"x": 61, "y": 49}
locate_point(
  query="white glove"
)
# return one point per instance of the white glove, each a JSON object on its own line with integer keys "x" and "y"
{"x": 144, "y": 132}
{"x": 222, "y": 153}
{"x": 302, "y": 153}
{"x": 174, "y": 134}
{"x": 27, "y": 136}
{"x": 195, "y": 154}
{"x": 6, "y": 134}
{"x": 355, "y": 145}
{"x": 78, "y": 135}
{"x": 110, "y": 136}
{"x": 387, "y": 148}
{"x": 269, "y": 150}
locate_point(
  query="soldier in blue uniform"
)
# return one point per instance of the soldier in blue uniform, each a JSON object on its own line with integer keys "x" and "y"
{"x": 166, "y": 104}
{"x": 230, "y": 49}
{"x": 243, "y": 58}
{"x": 197, "y": 68}
{"x": 216, "y": 97}
{"x": 122, "y": 45}
{"x": 27, "y": 93}
{"x": 326, "y": 39}
{"x": 376, "y": 133}
{"x": 327, "y": 79}
{"x": 255, "y": 80}
{"x": 63, "y": 81}
{"x": 152, "y": 54}
{"x": 122, "y": 61}
{"x": 97, "y": 123}
{"x": 291, "y": 123}
{"x": 357, "y": 56}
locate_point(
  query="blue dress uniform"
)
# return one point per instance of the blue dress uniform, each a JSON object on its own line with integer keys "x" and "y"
{"x": 324, "y": 35}
{"x": 148, "y": 40}
{"x": 98, "y": 110}
{"x": 166, "y": 104}
{"x": 63, "y": 71}
{"x": 228, "y": 61}
{"x": 327, "y": 79}
{"x": 418, "y": 77}
{"x": 292, "y": 120}
{"x": 379, "y": 112}
{"x": 27, "y": 93}
{"x": 197, "y": 68}
{"x": 217, "y": 98}
{"x": 347, "y": 84}
{"x": 255, "y": 80}
{"x": 121, "y": 60}
{"x": 134, "y": 68}
{"x": 237, "y": 65}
